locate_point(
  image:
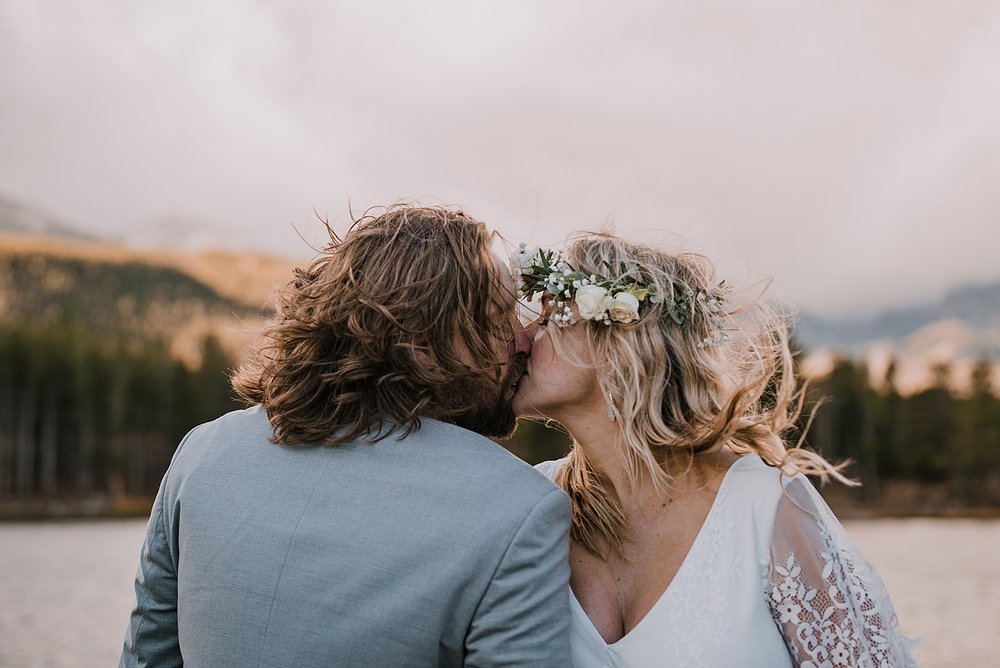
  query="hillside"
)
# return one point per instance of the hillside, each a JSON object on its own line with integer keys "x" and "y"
{"x": 248, "y": 278}
{"x": 118, "y": 291}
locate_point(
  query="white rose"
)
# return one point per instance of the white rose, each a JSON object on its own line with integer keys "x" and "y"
{"x": 592, "y": 301}
{"x": 624, "y": 307}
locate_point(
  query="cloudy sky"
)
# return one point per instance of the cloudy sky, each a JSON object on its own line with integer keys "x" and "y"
{"x": 848, "y": 148}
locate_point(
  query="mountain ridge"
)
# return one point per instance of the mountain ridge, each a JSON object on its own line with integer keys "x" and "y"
{"x": 958, "y": 328}
{"x": 19, "y": 218}
{"x": 977, "y": 305}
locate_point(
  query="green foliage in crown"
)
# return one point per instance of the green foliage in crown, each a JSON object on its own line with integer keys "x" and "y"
{"x": 620, "y": 297}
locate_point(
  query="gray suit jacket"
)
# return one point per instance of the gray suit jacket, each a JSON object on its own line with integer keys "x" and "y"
{"x": 440, "y": 549}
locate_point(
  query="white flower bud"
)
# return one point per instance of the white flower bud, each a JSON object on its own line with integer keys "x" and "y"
{"x": 523, "y": 257}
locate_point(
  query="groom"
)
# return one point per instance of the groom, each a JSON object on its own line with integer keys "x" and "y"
{"x": 352, "y": 517}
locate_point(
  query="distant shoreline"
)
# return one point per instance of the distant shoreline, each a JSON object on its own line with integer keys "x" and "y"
{"x": 75, "y": 508}
{"x": 902, "y": 499}
{"x": 897, "y": 501}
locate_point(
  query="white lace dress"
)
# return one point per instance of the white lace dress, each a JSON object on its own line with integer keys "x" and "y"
{"x": 771, "y": 580}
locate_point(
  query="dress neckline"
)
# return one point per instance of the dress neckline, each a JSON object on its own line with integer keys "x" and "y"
{"x": 578, "y": 608}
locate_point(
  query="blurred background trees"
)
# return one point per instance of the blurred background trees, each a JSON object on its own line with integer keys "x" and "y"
{"x": 84, "y": 413}
{"x": 107, "y": 361}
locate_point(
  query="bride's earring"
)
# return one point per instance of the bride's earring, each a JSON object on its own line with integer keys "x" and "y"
{"x": 611, "y": 410}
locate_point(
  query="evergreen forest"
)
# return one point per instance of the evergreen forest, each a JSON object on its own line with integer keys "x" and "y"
{"x": 94, "y": 397}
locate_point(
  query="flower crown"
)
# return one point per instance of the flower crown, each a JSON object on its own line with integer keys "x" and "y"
{"x": 622, "y": 299}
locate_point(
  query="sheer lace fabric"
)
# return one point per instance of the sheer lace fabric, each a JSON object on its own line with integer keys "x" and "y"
{"x": 831, "y": 605}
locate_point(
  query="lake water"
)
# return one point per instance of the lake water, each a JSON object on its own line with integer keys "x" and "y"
{"x": 66, "y": 588}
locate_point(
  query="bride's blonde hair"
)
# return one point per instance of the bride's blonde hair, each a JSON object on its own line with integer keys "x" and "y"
{"x": 723, "y": 377}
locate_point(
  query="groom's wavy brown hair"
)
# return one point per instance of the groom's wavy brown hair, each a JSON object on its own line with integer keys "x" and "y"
{"x": 370, "y": 335}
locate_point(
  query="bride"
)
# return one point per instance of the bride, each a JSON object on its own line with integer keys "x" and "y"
{"x": 696, "y": 538}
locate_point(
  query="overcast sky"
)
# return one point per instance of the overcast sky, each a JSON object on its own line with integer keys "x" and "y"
{"x": 848, "y": 148}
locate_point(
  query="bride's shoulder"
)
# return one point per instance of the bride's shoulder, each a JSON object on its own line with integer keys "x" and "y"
{"x": 550, "y": 468}
{"x": 754, "y": 486}
{"x": 752, "y": 471}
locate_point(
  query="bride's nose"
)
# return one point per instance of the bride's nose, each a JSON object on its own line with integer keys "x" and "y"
{"x": 522, "y": 340}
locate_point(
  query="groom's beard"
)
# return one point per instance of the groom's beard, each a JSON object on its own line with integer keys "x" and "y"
{"x": 491, "y": 414}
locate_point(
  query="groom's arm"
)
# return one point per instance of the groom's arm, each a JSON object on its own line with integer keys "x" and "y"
{"x": 523, "y": 619}
{"x": 151, "y": 638}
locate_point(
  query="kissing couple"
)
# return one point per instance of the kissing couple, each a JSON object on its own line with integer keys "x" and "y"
{"x": 356, "y": 514}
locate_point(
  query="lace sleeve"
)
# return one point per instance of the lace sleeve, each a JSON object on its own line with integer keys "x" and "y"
{"x": 828, "y": 602}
